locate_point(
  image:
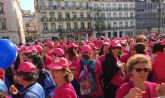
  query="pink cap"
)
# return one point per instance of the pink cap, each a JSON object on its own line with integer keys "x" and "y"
{"x": 26, "y": 67}
{"x": 86, "y": 49}
{"x": 115, "y": 44}
{"x": 162, "y": 42}
{"x": 58, "y": 51}
{"x": 72, "y": 45}
{"x": 92, "y": 45}
{"x": 29, "y": 50}
{"x": 59, "y": 63}
{"x": 39, "y": 48}
{"x": 49, "y": 43}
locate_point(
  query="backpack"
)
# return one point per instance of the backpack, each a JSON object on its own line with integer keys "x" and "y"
{"x": 87, "y": 78}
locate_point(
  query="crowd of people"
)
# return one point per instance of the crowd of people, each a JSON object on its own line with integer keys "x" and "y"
{"x": 127, "y": 67}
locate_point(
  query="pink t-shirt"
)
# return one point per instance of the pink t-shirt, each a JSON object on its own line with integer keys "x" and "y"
{"x": 159, "y": 68}
{"x": 65, "y": 91}
{"x": 123, "y": 90}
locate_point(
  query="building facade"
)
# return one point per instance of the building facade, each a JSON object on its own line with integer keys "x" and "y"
{"x": 113, "y": 18}
{"x": 150, "y": 16}
{"x": 30, "y": 25}
{"x": 68, "y": 19}
{"x": 11, "y": 23}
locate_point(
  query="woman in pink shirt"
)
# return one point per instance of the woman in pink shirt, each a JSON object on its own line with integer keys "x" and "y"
{"x": 87, "y": 64}
{"x": 62, "y": 76}
{"x": 137, "y": 68}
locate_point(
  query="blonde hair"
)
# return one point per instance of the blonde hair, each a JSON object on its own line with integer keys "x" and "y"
{"x": 138, "y": 58}
{"x": 68, "y": 76}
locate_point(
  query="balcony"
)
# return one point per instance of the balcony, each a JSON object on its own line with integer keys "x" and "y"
{"x": 119, "y": 18}
{"x": 52, "y": 19}
{"x": 113, "y": 9}
{"x": 60, "y": 19}
{"x": 44, "y": 19}
{"x": 68, "y": 19}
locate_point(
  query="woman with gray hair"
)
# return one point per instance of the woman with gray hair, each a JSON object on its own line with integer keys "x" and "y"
{"x": 137, "y": 68}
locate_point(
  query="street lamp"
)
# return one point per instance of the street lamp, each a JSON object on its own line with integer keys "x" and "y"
{"x": 159, "y": 12}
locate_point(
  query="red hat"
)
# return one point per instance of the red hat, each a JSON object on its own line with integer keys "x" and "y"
{"x": 49, "y": 43}
{"x": 72, "y": 45}
{"x": 59, "y": 63}
{"x": 86, "y": 49}
{"x": 58, "y": 51}
{"x": 26, "y": 67}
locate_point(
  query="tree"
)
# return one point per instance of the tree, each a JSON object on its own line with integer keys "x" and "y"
{"x": 99, "y": 21}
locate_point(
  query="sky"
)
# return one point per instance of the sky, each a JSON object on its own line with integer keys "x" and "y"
{"x": 27, "y": 5}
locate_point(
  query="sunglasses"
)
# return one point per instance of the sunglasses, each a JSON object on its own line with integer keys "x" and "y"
{"x": 115, "y": 47}
{"x": 142, "y": 69}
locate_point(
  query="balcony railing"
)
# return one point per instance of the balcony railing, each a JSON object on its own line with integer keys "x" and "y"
{"x": 114, "y": 9}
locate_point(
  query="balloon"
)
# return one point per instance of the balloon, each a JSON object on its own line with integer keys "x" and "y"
{"x": 8, "y": 53}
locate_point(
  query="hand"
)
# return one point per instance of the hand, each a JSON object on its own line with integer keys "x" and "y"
{"x": 3, "y": 94}
{"x": 13, "y": 90}
{"x": 160, "y": 90}
{"x": 135, "y": 93}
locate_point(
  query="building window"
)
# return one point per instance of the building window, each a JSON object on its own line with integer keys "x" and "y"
{"x": 67, "y": 14}
{"x": 75, "y": 25}
{"x": 125, "y": 6}
{"x": 52, "y": 15}
{"x": 82, "y": 14}
{"x": 59, "y": 4}
{"x": 81, "y": 5}
{"x": 120, "y": 15}
{"x": 68, "y": 25}
{"x": 74, "y": 15}
{"x": 131, "y": 24}
{"x": 103, "y": 15}
{"x": 114, "y": 6}
{"x": 109, "y": 25}
{"x": 73, "y": 4}
{"x": 45, "y": 26}
{"x": 102, "y": 6}
{"x": 120, "y": 6}
{"x": 115, "y": 24}
{"x": 114, "y": 15}
{"x": 89, "y": 25}
{"x": 120, "y": 24}
{"x": 53, "y": 26}
{"x": 51, "y": 3}
{"x": 131, "y": 6}
{"x": 126, "y": 24}
{"x": 82, "y": 25}
{"x": 66, "y": 4}
{"x": 126, "y": 14}
{"x": 88, "y": 15}
{"x": 59, "y": 14}
{"x": 41, "y": 3}
{"x": 95, "y": 6}
{"x": 108, "y": 6}
{"x": 43, "y": 14}
{"x": 131, "y": 15}
{"x": 2, "y": 24}
{"x": 1, "y": 9}
{"x": 109, "y": 15}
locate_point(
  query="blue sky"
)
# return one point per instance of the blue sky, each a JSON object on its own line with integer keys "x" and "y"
{"x": 27, "y": 5}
